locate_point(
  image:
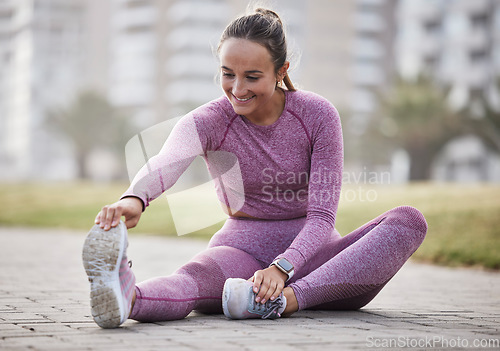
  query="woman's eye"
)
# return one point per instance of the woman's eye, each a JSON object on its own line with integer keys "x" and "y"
{"x": 232, "y": 75}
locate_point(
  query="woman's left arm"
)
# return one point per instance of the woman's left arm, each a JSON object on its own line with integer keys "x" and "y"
{"x": 325, "y": 181}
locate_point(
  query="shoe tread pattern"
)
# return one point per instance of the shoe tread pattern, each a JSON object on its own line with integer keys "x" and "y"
{"x": 100, "y": 258}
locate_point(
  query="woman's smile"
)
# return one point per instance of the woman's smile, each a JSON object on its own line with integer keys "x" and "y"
{"x": 243, "y": 100}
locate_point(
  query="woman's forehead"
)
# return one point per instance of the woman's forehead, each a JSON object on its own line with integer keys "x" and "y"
{"x": 244, "y": 53}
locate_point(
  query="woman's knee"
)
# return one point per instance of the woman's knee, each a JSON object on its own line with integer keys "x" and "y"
{"x": 233, "y": 262}
{"x": 409, "y": 217}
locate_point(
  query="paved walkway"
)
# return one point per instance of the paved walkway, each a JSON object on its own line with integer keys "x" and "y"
{"x": 44, "y": 306}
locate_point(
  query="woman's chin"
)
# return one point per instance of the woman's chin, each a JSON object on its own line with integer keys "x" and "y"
{"x": 240, "y": 110}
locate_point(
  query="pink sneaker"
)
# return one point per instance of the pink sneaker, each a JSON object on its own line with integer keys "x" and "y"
{"x": 112, "y": 282}
{"x": 238, "y": 302}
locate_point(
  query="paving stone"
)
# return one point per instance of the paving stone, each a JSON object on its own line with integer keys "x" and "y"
{"x": 46, "y": 306}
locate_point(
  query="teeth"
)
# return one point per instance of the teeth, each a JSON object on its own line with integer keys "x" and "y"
{"x": 242, "y": 100}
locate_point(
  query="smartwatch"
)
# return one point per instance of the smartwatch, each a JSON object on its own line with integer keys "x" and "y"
{"x": 285, "y": 266}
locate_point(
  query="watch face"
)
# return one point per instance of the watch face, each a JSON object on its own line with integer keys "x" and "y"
{"x": 287, "y": 266}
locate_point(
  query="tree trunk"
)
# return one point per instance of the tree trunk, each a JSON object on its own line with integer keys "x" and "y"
{"x": 81, "y": 163}
{"x": 420, "y": 164}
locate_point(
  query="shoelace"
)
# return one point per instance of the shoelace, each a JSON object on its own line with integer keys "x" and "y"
{"x": 270, "y": 308}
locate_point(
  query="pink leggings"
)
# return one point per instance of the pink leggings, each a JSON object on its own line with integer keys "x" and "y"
{"x": 346, "y": 273}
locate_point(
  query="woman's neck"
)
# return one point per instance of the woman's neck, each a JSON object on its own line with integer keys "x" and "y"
{"x": 273, "y": 112}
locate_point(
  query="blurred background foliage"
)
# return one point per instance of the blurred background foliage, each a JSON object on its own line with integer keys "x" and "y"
{"x": 483, "y": 118}
{"x": 91, "y": 123}
{"x": 415, "y": 116}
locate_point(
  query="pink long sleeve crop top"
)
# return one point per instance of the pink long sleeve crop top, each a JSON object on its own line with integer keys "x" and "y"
{"x": 292, "y": 168}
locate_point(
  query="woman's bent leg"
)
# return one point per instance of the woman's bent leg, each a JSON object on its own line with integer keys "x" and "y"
{"x": 197, "y": 285}
{"x": 362, "y": 262}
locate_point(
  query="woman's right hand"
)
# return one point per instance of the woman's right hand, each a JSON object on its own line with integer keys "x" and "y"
{"x": 110, "y": 215}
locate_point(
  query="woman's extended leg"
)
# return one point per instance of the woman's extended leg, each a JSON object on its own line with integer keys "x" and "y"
{"x": 349, "y": 272}
{"x": 197, "y": 285}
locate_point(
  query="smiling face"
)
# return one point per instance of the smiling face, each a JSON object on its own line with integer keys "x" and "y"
{"x": 248, "y": 78}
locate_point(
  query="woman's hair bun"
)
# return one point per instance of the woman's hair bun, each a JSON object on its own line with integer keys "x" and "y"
{"x": 270, "y": 14}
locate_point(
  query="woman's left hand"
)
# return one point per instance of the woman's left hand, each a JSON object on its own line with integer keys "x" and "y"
{"x": 268, "y": 283}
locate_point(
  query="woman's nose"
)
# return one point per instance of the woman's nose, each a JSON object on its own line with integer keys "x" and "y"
{"x": 239, "y": 89}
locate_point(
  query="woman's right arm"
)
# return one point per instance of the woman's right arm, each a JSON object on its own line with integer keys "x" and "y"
{"x": 110, "y": 215}
{"x": 157, "y": 175}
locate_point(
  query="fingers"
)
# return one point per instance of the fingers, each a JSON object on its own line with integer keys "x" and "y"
{"x": 274, "y": 290}
{"x": 98, "y": 218}
{"x": 267, "y": 285}
{"x": 109, "y": 216}
{"x": 257, "y": 281}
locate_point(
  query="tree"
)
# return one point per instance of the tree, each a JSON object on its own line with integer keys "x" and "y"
{"x": 90, "y": 122}
{"x": 484, "y": 118}
{"x": 422, "y": 120}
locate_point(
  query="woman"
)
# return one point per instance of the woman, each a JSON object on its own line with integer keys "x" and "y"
{"x": 278, "y": 252}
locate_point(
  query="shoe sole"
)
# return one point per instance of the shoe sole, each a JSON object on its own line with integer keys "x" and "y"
{"x": 233, "y": 284}
{"x": 102, "y": 255}
{"x": 225, "y": 297}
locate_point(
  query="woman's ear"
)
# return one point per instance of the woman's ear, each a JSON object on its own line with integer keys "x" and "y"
{"x": 283, "y": 71}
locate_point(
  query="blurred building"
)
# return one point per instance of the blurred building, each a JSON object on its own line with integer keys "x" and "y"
{"x": 48, "y": 52}
{"x": 457, "y": 42}
{"x": 162, "y": 51}
{"x": 161, "y": 59}
{"x": 154, "y": 59}
{"x": 347, "y": 50}
{"x": 348, "y": 53}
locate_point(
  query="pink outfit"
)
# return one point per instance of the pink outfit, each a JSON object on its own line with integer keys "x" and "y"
{"x": 287, "y": 175}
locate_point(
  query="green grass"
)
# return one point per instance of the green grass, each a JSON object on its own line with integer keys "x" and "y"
{"x": 464, "y": 220}
{"x": 75, "y": 205}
